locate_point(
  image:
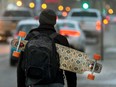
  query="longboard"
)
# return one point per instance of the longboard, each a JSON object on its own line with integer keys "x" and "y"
{"x": 70, "y": 59}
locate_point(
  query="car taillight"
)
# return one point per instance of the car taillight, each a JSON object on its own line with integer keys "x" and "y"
{"x": 98, "y": 25}
{"x": 56, "y": 18}
{"x": 36, "y": 17}
{"x": 69, "y": 33}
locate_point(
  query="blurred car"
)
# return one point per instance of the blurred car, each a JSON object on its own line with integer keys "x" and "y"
{"x": 18, "y": 14}
{"x": 90, "y": 21}
{"x": 23, "y": 25}
{"x": 71, "y": 30}
{"x": 10, "y": 18}
{"x": 3, "y": 37}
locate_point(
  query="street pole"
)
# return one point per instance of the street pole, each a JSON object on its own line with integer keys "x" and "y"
{"x": 102, "y": 33}
{"x": 38, "y": 6}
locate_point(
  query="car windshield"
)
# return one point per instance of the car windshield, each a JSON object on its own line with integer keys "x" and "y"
{"x": 84, "y": 14}
{"x": 17, "y": 14}
{"x": 26, "y": 28}
{"x": 66, "y": 25}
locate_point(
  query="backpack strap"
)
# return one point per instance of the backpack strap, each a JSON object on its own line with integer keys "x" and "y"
{"x": 53, "y": 35}
{"x": 35, "y": 33}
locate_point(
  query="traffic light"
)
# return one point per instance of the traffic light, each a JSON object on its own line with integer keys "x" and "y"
{"x": 85, "y": 5}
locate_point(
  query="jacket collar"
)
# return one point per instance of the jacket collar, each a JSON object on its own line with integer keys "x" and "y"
{"x": 45, "y": 27}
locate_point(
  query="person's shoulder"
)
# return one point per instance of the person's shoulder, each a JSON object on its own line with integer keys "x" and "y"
{"x": 31, "y": 34}
{"x": 32, "y": 30}
{"x": 61, "y": 36}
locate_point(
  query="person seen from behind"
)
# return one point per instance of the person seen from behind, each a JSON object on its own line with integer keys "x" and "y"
{"x": 47, "y": 20}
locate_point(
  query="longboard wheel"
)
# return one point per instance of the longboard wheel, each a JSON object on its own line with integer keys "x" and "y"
{"x": 97, "y": 57}
{"x": 90, "y": 76}
{"x": 16, "y": 54}
{"x": 22, "y": 34}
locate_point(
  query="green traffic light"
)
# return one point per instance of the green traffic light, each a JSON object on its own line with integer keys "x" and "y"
{"x": 85, "y": 5}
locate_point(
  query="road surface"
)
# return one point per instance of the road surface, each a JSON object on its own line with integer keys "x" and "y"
{"x": 107, "y": 78}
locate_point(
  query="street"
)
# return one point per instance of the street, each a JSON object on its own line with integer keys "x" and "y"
{"x": 107, "y": 78}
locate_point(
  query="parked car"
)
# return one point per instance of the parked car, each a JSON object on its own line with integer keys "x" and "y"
{"x": 23, "y": 25}
{"x": 90, "y": 21}
{"x": 3, "y": 37}
{"x": 71, "y": 30}
{"x": 10, "y": 18}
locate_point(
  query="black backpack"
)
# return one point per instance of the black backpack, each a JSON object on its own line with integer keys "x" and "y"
{"x": 42, "y": 59}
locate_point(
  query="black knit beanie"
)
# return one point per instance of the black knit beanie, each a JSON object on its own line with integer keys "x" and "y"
{"x": 47, "y": 16}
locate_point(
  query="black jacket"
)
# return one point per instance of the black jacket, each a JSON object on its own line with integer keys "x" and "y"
{"x": 70, "y": 76}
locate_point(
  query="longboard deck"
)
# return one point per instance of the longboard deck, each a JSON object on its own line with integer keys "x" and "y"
{"x": 75, "y": 61}
{"x": 70, "y": 59}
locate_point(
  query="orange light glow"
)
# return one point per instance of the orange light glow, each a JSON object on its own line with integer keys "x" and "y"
{"x": 98, "y": 25}
{"x": 67, "y": 8}
{"x": 64, "y": 14}
{"x": 69, "y": 32}
{"x": 105, "y": 21}
{"x": 110, "y": 11}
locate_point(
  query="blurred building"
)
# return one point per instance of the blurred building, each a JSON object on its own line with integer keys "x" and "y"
{"x": 5, "y": 3}
{"x": 102, "y": 5}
